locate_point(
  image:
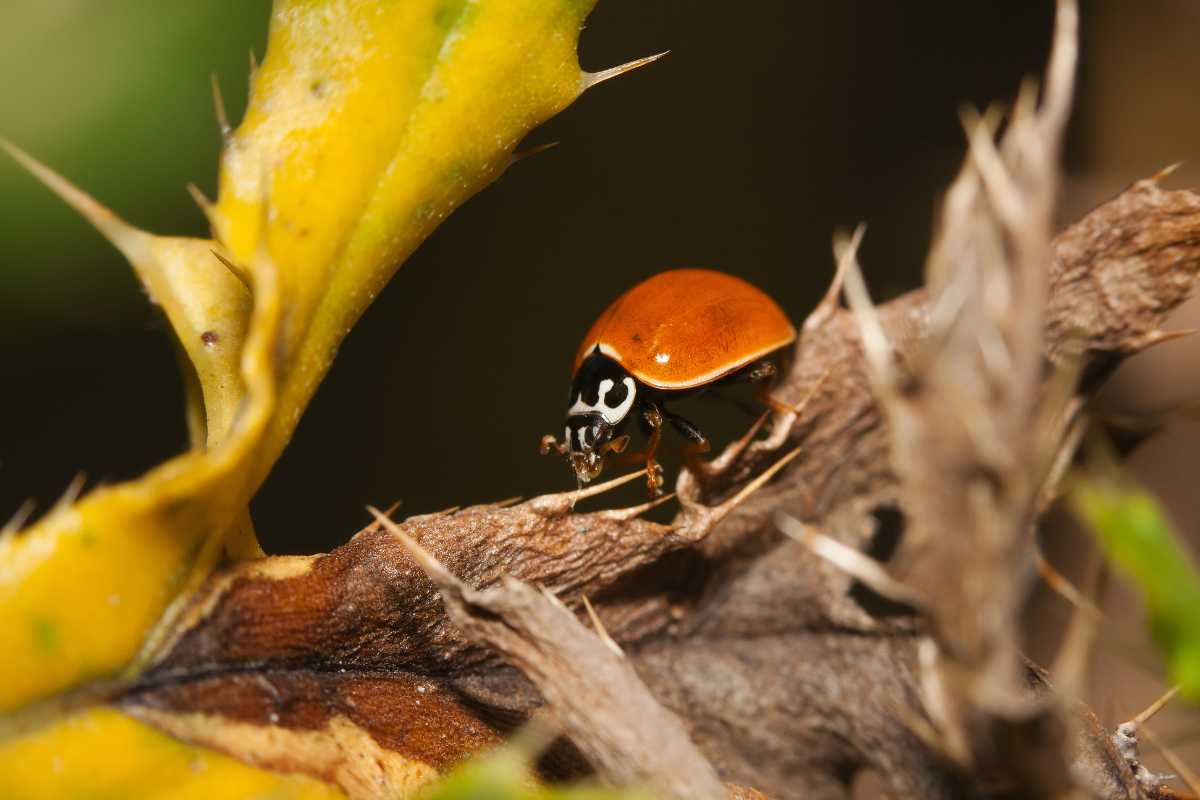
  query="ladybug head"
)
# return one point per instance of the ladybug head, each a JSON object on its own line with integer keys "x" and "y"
{"x": 589, "y": 437}
{"x": 602, "y": 395}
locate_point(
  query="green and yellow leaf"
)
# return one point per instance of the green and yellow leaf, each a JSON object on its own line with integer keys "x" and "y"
{"x": 368, "y": 123}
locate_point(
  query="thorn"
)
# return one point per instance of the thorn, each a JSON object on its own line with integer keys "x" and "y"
{"x": 549, "y": 593}
{"x": 830, "y": 303}
{"x": 557, "y": 504}
{"x": 1072, "y": 662}
{"x": 1025, "y": 105}
{"x": 858, "y": 566}
{"x": 1148, "y": 340}
{"x": 601, "y": 488}
{"x": 446, "y": 512}
{"x": 798, "y": 408}
{"x": 206, "y": 205}
{"x": 746, "y": 438}
{"x": 933, "y": 693}
{"x": 240, "y": 273}
{"x": 590, "y": 79}
{"x": 425, "y": 560}
{"x": 600, "y": 629}
{"x": 1148, "y": 713}
{"x": 1185, "y": 774}
{"x": 374, "y": 525}
{"x": 532, "y": 151}
{"x": 70, "y": 494}
{"x": 999, "y": 185}
{"x": 718, "y": 513}
{"x": 1064, "y": 588}
{"x": 507, "y": 502}
{"x": 131, "y": 241}
{"x": 622, "y": 514}
{"x": 708, "y": 469}
{"x": 219, "y": 108}
{"x": 19, "y": 517}
{"x": 874, "y": 340}
{"x": 1165, "y": 172}
{"x": 926, "y": 733}
{"x": 1060, "y": 74}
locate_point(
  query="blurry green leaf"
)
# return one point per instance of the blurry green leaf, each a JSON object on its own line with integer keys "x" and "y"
{"x": 505, "y": 774}
{"x": 115, "y": 94}
{"x": 1137, "y": 537}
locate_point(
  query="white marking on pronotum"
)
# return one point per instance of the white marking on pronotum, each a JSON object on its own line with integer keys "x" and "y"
{"x": 611, "y": 415}
{"x": 579, "y": 435}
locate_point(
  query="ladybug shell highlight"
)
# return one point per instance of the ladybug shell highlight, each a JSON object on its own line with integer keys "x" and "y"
{"x": 687, "y": 327}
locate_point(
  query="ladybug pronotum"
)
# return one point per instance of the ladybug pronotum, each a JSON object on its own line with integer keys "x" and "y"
{"x": 675, "y": 334}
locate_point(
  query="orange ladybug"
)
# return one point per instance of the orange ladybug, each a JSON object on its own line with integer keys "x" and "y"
{"x": 673, "y": 335}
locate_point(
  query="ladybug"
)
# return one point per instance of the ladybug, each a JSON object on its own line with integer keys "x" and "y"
{"x": 673, "y": 335}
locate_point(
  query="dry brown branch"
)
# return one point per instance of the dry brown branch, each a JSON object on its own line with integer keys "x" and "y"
{"x": 595, "y": 694}
{"x": 787, "y": 673}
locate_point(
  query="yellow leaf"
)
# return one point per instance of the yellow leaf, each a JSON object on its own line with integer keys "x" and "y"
{"x": 207, "y": 305}
{"x": 103, "y": 753}
{"x": 368, "y": 123}
{"x": 81, "y": 589}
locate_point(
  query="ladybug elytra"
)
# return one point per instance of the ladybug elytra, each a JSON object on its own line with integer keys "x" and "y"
{"x": 671, "y": 336}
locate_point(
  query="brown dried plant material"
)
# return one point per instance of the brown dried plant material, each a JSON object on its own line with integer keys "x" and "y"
{"x": 786, "y": 673}
{"x": 594, "y": 693}
{"x": 783, "y": 678}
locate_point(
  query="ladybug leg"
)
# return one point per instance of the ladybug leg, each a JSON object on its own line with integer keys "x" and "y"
{"x": 697, "y": 442}
{"x": 764, "y": 373}
{"x": 650, "y": 420}
{"x": 550, "y": 443}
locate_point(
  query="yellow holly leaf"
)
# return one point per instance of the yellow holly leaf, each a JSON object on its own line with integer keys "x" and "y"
{"x": 103, "y": 753}
{"x": 368, "y": 123}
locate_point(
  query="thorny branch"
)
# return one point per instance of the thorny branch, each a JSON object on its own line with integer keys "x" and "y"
{"x": 627, "y": 734}
{"x": 942, "y": 418}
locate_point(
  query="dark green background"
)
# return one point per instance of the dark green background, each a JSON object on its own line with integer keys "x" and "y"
{"x": 770, "y": 125}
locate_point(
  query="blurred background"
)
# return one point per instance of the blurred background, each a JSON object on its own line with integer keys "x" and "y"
{"x": 758, "y": 136}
